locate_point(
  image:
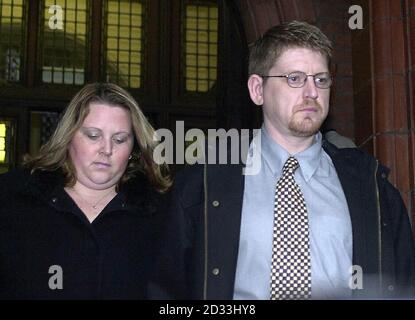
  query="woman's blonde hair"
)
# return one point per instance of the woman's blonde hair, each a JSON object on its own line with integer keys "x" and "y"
{"x": 54, "y": 154}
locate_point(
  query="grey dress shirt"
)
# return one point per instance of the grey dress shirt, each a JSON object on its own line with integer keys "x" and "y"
{"x": 329, "y": 219}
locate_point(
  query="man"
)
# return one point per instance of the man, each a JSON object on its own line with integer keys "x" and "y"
{"x": 314, "y": 222}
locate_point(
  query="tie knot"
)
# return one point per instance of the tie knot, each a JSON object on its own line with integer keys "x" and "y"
{"x": 290, "y": 165}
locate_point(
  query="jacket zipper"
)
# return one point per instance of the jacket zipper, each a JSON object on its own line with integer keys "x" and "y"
{"x": 379, "y": 228}
{"x": 205, "y": 231}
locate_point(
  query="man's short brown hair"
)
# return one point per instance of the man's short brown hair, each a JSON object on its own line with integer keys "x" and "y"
{"x": 266, "y": 50}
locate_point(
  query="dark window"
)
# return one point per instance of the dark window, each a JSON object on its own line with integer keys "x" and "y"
{"x": 12, "y": 34}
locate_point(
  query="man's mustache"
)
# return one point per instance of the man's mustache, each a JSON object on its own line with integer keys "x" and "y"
{"x": 307, "y": 104}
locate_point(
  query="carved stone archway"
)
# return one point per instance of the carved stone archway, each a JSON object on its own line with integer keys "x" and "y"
{"x": 259, "y": 15}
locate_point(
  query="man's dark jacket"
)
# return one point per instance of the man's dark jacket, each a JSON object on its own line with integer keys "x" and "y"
{"x": 199, "y": 254}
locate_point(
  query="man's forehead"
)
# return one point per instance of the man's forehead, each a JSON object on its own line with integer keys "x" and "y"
{"x": 300, "y": 56}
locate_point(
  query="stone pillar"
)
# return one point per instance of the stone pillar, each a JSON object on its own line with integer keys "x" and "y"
{"x": 393, "y": 56}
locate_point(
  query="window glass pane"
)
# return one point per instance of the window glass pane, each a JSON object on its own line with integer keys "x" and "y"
{"x": 2, "y": 142}
{"x": 12, "y": 35}
{"x": 64, "y": 43}
{"x": 200, "y": 45}
{"x": 7, "y": 148}
{"x": 124, "y": 42}
{"x": 42, "y": 126}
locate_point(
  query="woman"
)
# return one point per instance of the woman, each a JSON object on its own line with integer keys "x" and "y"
{"x": 81, "y": 220}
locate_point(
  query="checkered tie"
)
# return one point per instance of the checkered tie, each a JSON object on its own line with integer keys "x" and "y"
{"x": 290, "y": 266}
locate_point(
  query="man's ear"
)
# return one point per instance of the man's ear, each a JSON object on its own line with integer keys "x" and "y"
{"x": 255, "y": 86}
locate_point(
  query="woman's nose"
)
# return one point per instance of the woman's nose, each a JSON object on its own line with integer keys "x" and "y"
{"x": 106, "y": 147}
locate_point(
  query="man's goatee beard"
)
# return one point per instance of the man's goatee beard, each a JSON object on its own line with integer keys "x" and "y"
{"x": 305, "y": 128}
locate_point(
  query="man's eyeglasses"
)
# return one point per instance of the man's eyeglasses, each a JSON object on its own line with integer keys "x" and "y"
{"x": 297, "y": 79}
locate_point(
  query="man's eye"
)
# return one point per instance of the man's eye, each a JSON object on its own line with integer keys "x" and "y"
{"x": 322, "y": 79}
{"x": 294, "y": 78}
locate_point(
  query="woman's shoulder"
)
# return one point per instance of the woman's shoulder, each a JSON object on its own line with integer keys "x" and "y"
{"x": 140, "y": 193}
{"x": 13, "y": 184}
{"x": 14, "y": 177}
{"x": 23, "y": 179}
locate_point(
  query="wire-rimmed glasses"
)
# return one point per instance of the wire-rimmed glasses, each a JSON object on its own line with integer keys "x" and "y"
{"x": 297, "y": 79}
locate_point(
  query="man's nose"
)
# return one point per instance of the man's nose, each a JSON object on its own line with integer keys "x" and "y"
{"x": 310, "y": 90}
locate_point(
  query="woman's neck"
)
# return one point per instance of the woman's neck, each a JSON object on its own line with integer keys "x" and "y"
{"x": 91, "y": 201}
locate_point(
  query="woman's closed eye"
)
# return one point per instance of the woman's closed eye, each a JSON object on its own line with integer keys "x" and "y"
{"x": 120, "y": 139}
{"x": 93, "y": 136}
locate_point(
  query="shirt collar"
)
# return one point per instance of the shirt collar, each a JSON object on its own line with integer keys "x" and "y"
{"x": 275, "y": 156}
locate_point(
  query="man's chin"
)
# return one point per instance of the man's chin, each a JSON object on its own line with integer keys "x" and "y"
{"x": 306, "y": 128}
{"x": 303, "y": 134}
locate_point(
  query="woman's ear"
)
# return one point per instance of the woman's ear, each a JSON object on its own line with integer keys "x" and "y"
{"x": 255, "y": 86}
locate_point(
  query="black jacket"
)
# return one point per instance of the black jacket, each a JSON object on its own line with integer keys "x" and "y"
{"x": 198, "y": 260}
{"x": 42, "y": 230}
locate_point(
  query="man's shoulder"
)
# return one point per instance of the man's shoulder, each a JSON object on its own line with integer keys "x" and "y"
{"x": 352, "y": 153}
{"x": 193, "y": 171}
{"x": 354, "y": 157}
{"x": 338, "y": 140}
{"x": 189, "y": 178}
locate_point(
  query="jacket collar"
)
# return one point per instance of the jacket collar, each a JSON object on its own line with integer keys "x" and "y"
{"x": 348, "y": 156}
{"x": 137, "y": 193}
